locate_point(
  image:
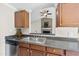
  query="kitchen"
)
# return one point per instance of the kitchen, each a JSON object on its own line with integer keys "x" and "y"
{"x": 49, "y": 29}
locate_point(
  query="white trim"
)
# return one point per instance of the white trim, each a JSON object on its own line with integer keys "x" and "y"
{"x": 29, "y": 22}
{"x": 10, "y": 6}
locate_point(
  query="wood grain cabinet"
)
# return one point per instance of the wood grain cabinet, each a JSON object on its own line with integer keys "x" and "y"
{"x": 37, "y": 50}
{"x": 23, "y": 51}
{"x": 55, "y": 51}
{"x": 36, "y": 53}
{"x": 72, "y": 53}
{"x": 37, "y": 47}
{"x": 26, "y": 49}
{"x": 50, "y": 54}
{"x": 67, "y": 15}
{"x": 22, "y": 44}
{"x": 21, "y": 19}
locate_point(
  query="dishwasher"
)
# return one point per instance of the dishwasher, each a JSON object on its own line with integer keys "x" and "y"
{"x": 11, "y": 48}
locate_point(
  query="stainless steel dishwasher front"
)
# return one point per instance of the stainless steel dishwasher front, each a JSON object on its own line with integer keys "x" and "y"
{"x": 11, "y": 48}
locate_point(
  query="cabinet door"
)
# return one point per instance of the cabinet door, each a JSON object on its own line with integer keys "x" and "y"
{"x": 22, "y": 44}
{"x": 36, "y": 53}
{"x": 23, "y": 51}
{"x": 18, "y": 21}
{"x": 55, "y": 51}
{"x": 72, "y": 53}
{"x": 21, "y": 19}
{"x": 68, "y": 15}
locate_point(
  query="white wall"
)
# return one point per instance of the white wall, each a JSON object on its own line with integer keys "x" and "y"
{"x": 36, "y": 26}
{"x": 6, "y": 24}
{"x": 35, "y": 15}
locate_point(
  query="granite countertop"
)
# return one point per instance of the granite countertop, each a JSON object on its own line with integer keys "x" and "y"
{"x": 50, "y": 41}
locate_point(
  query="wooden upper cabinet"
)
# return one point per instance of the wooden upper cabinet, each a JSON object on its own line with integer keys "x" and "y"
{"x": 67, "y": 15}
{"x": 21, "y": 19}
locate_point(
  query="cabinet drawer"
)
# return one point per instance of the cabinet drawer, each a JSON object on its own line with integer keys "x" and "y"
{"x": 37, "y": 47}
{"x": 36, "y": 53}
{"x": 72, "y": 53}
{"x": 55, "y": 51}
{"x": 24, "y": 45}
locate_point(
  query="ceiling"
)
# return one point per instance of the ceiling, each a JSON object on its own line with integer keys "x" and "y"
{"x": 31, "y": 6}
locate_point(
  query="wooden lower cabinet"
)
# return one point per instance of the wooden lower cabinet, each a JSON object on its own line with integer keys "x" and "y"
{"x": 38, "y": 50}
{"x": 23, "y": 51}
{"x": 37, "y": 47}
{"x": 55, "y": 51}
{"x": 36, "y": 53}
{"x": 50, "y": 54}
{"x": 72, "y": 53}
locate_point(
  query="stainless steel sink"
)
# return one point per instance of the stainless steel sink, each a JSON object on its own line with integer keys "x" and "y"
{"x": 35, "y": 39}
{"x": 41, "y": 40}
{"x": 26, "y": 39}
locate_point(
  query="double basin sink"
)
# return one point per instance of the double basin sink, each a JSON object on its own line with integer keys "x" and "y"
{"x": 40, "y": 40}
